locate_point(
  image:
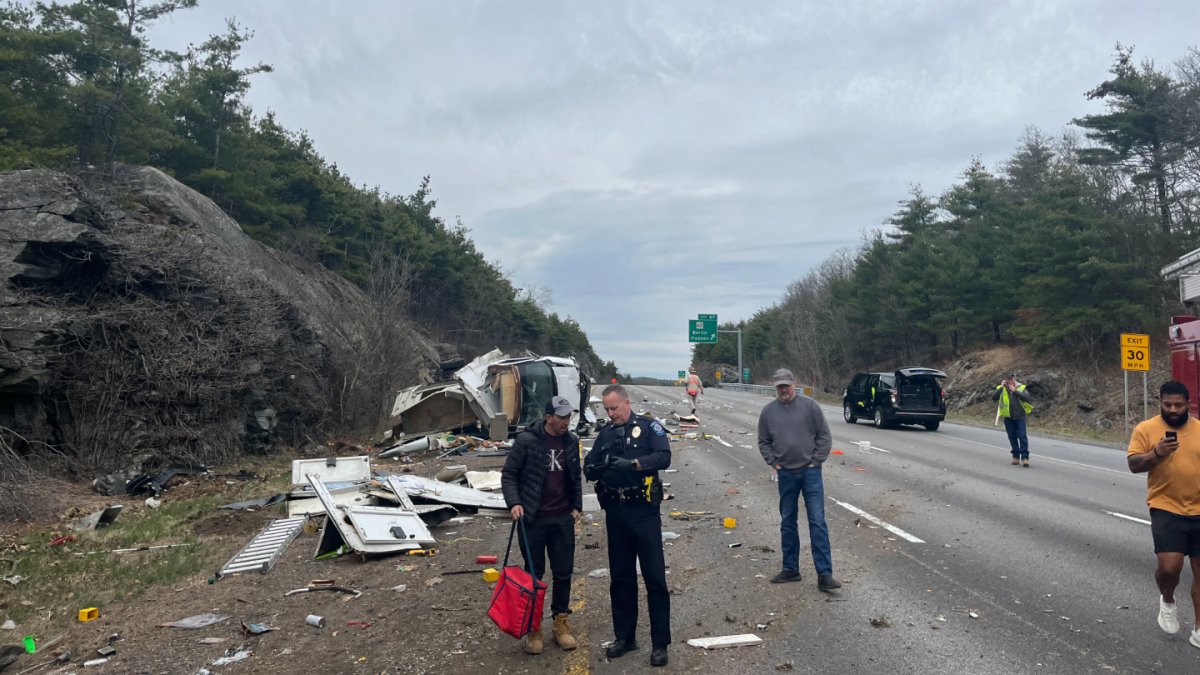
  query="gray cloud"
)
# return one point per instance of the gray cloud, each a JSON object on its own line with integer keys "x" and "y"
{"x": 651, "y": 161}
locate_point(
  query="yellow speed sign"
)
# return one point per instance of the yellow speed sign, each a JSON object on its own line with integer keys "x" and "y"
{"x": 1135, "y": 351}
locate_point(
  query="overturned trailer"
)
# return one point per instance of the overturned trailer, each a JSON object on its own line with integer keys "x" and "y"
{"x": 496, "y": 393}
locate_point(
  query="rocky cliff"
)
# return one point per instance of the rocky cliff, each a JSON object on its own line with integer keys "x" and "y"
{"x": 140, "y": 325}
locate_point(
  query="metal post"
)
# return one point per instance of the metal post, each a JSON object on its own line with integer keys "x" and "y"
{"x": 1145, "y": 409}
{"x": 739, "y": 334}
{"x": 1125, "y": 393}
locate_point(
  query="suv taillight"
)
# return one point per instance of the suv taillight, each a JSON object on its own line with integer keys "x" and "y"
{"x": 895, "y": 398}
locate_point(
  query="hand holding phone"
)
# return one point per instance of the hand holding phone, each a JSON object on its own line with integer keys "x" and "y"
{"x": 1168, "y": 445}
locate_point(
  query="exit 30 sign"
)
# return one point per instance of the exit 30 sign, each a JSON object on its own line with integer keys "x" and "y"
{"x": 1135, "y": 351}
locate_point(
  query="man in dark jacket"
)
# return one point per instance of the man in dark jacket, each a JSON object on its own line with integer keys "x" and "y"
{"x": 541, "y": 483}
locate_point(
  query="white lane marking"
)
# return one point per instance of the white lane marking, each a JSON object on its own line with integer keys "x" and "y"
{"x": 1122, "y": 515}
{"x": 887, "y": 526}
{"x": 722, "y": 441}
{"x": 1090, "y": 466}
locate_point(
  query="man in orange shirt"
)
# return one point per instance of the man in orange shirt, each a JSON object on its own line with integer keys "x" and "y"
{"x": 1168, "y": 447}
{"x": 694, "y": 387}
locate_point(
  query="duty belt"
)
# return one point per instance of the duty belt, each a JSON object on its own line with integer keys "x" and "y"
{"x": 651, "y": 492}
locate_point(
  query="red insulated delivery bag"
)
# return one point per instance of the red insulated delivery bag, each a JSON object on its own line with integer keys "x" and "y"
{"x": 517, "y": 600}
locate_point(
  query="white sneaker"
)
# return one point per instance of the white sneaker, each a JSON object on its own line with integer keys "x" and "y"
{"x": 1194, "y": 640}
{"x": 1168, "y": 616}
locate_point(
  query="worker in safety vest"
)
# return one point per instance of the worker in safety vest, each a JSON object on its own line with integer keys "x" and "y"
{"x": 1014, "y": 416}
{"x": 694, "y": 387}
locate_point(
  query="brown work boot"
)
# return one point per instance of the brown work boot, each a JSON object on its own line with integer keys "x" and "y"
{"x": 533, "y": 642}
{"x": 562, "y": 633}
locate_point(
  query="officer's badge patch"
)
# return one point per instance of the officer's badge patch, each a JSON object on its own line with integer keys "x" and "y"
{"x": 637, "y": 431}
{"x": 658, "y": 429}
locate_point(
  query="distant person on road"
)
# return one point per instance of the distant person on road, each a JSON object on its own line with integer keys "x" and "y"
{"x": 794, "y": 439}
{"x": 1014, "y": 416}
{"x": 542, "y": 484}
{"x": 1167, "y": 447}
{"x": 694, "y": 387}
{"x": 625, "y": 461}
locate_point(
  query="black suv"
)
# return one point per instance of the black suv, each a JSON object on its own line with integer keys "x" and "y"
{"x": 907, "y": 396}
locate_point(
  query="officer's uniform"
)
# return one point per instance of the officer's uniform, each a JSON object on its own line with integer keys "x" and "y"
{"x": 630, "y": 501}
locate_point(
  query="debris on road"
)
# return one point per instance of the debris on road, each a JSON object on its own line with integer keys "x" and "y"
{"x": 881, "y": 622}
{"x": 240, "y": 655}
{"x": 255, "y": 628}
{"x": 97, "y": 520}
{"x": 724, "y": 641}
{"x": 197, "y": 621}
{"x": 370, "y": 529}
{"x": 486, "y": 481}
{"x": 313, "y": 589}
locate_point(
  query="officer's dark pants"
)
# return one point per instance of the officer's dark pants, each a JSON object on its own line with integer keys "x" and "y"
{"x": 554, "y": 535}
{"x": 635, "y": 534}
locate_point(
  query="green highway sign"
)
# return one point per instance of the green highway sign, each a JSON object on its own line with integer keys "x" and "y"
{"x": 702, "y": 330}
{"x": 707, "y": 317}
{"x": 682, "y": 373}
{"x": 745, "y": 374}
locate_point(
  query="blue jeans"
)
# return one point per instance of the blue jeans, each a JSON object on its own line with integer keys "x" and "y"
{"x": 793, "y": 483}
{"x": 1017, "y": 437}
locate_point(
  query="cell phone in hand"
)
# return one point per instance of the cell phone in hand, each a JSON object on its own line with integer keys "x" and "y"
{"x": 1171, "y": 435}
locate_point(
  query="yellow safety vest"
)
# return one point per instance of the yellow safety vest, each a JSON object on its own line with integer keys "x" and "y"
{"x": 1004, "y": 401}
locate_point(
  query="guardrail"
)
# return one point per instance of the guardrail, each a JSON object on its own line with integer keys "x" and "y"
{"x": 761, "y": 389}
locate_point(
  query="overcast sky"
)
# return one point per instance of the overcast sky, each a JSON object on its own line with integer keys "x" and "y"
{"x": 650, "y": 161}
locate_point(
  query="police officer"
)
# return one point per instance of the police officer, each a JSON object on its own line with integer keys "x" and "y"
{"x": 625, "y": 461}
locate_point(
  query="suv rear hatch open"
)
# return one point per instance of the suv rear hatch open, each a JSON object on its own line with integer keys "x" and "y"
{"x": 919, "y": 389}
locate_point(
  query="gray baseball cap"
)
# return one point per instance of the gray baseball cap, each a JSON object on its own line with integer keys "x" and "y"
{"x": 783, "y": 376}
{"x": 559, "y": 406}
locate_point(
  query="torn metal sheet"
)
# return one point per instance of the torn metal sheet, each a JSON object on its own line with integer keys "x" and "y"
{"x": 369, "y": 529}
{"x": 476, "y": 386}
{"x": 487, "y": 481}
{"x": 332, "y": 469}
{"x": 98, "y": 519}
{"x": 350, "y": 495}
{"x": 432, "y": 514}
{"x": 256, "y": 503}
{"x": 435, "y": 514}
{"x": 265, "y": 549}
{"x": 433, "y": 408}
{"x": 447, "y": 493}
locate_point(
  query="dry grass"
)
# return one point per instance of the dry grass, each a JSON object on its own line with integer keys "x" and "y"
{"x": 59, "y": 580}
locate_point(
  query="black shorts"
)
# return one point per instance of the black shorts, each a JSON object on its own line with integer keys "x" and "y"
{"x": 1174, "y": 533}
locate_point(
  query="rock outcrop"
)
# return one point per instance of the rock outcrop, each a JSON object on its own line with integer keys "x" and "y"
{"x": 139, "y": 322}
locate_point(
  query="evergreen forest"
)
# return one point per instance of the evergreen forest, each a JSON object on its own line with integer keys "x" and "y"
{"x": 82, "y": 89}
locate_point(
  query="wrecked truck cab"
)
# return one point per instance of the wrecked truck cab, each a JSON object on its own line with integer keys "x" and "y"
{"x": 498, "y": 394}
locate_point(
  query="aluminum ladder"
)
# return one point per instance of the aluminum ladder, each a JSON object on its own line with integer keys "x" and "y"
{"x": 265, "y": 549}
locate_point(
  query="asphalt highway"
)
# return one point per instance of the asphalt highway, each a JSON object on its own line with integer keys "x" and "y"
{"x": 953, "y": 560}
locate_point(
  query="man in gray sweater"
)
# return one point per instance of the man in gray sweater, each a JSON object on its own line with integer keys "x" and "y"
{"x": 794, "y": 439}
